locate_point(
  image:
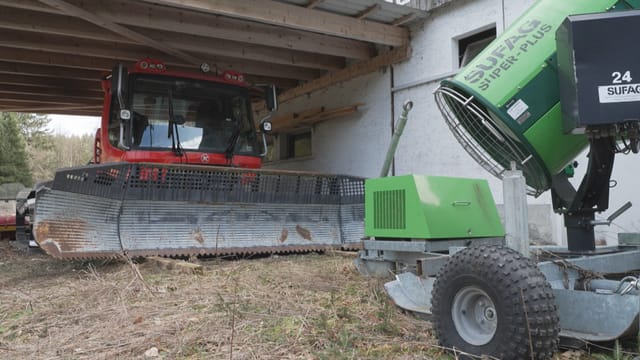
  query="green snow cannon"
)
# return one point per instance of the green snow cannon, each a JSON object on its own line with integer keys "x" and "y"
{"x": 504, "y": 106}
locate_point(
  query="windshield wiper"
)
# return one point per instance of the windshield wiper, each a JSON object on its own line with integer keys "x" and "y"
{"x": 172, "y": 130}
{"x": 233, "y": 140}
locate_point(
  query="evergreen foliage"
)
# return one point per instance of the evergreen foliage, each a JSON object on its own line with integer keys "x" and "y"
{"x": 14, "y": 165}
{"x": 30, "y": 152}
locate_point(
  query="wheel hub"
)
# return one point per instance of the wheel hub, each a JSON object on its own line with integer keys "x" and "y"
{"x": 474, "y": 315}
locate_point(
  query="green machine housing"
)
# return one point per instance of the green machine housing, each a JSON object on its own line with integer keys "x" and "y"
{"x": 430, "y": 207}
{"x": 504, "y": 106}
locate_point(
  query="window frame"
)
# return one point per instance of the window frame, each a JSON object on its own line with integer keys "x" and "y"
{"x": 479, "y": 38}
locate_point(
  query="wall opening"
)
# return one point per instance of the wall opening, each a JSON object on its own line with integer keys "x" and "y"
{"x": 289, "y": 146}
{"x": 298, "y": 145}
{"x": 470, "y": 46}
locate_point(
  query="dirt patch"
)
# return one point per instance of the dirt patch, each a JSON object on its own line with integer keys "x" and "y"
{"x": 281, "y": 307}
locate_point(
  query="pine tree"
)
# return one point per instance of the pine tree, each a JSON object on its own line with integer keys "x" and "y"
{"x": 41, "y": 151}
{"x": 14, "y": 165}
{"x": 34, "y": 130}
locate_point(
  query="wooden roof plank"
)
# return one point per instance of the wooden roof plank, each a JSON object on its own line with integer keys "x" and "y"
{"x": 85, "y": 47}
{"x": 290, "y": 122}
{"x": 8, "y": 54}
{"x": 47, "y": 92}
{"x": 41, "y": 52}
{"x": 280, "y": 83}
{"x": 134, "y": 13}
{"x": 53, "y": 99}
{"x": 53, "y": 48}
{"x": 34, "y": 21}
{"x": 290, "y": 119}
{"x": 29, "y": 22}
{"x": 76, "y": 11}
{"x": 391, "y": 57}
{"x": 35, "y": 109}
{"x": 48, "y": 70}
{"x": 313, "y": 3}
{"x": 34, "y": 5}
{"x": 296, "y": 17}
{"x": 368, "y": 11}
{"x": 403, "y": 19}
{"x": 221, "y": 47}
{"x": 331, "y": 114}
{"x": 48, "y": 82}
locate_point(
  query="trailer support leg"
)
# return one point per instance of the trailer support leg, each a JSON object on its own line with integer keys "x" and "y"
{"x": 516, "y": 216}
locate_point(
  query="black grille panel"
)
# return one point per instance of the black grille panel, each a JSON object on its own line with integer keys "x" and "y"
{"x": 143, "y": 181}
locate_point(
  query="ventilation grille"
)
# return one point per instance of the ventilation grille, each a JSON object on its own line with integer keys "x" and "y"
{"x": 177, "y": 182}
{"x": 389, "y": 209}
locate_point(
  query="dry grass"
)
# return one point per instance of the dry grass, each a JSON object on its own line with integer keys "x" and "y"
{"x": 290, "y": 307}
{"x": 283, "y": 307}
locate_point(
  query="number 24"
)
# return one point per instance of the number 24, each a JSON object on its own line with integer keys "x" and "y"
{"x": 618, "y": 77}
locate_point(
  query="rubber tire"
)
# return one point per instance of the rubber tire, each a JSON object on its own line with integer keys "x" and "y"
{"x": 507, "y": 278}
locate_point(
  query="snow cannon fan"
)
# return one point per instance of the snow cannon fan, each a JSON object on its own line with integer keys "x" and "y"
{"x": 549, "y": 87}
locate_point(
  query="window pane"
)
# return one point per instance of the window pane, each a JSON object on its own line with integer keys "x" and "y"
{"x": 207, "y": 116}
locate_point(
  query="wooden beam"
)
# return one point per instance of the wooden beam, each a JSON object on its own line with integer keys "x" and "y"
{"x": 54, "y": 112}
{"x": 48, "y": 70}
{"x": 391, "y": 57}
{"x": 46, "y": 92}
{"x": 250, "y": 67}
{"x": 78, "y": 12}
{"x": 138, "y": 14}
{"x": 295, "y": 17}
{"x": 39, "y": 108}
{"x": 48, "y": 82}
{"x": 66, "y": 45}
{"x": 75, "y": 74}
{"x": 30, "y": 5}
{"x": 331, "y": 114}
{"x": 404, "y": 19}
{"x": 51, "y": 24}
{"x": 194, "y": 23}
{"x": 368, "y": 11}
{"x": 278, "y": 82}
{"x": 52, "y": 107}
{"x": 96, "y": 113}
{"x": 91, "y": 91}
{"x": 53, "y": 99}
{"x": 290, "y": 122}
{"x": 234, "y": 49}
{"x": 313, "y": 3}
{"x": 22, "y": 104}
{"x": 58, "y": 59}
{"x": 65, "y": 55}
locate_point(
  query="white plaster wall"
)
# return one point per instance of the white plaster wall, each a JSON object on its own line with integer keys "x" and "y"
{"x": 354, "y": 144}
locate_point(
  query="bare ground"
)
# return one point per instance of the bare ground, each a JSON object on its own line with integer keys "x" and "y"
{"x": 282, "y": 307}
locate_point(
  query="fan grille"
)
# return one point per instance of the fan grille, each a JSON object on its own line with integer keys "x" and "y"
{"x": 489, "y": 142}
